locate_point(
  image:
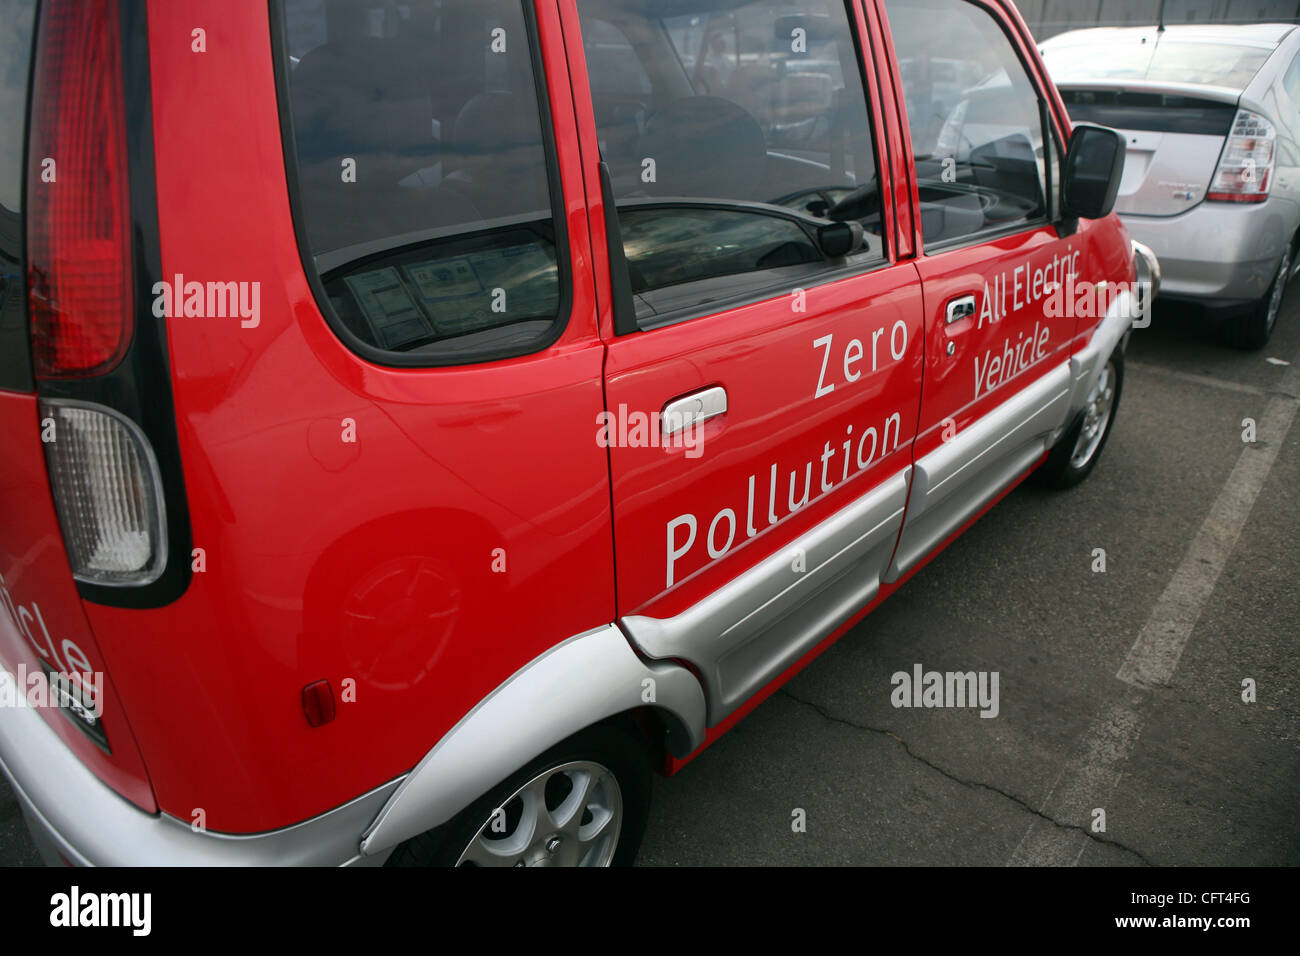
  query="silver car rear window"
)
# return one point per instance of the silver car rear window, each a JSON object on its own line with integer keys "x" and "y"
{"x": 1209, "y": 64}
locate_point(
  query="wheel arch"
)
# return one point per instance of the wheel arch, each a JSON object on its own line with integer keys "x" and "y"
{"x": 586, "y": 680}
{"x": 1086, "y": 364}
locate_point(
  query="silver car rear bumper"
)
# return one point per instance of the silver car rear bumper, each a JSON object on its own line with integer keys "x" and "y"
{"x": 1221, "y": 253}
{"x": 76, "y": 819}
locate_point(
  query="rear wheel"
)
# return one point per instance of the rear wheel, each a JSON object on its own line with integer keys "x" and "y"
{"x": 1252, "y": 329}
{"x": 1077, "y": 451}
{"x": 582, "y": 803}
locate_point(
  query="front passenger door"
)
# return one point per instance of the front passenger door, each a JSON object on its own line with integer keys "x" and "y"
{"x": 996, "y": 377}
{"x": 742, "y": 547}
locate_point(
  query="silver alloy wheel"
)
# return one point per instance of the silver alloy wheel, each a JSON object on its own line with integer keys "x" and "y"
{"x": 569, "y": 815}
{"x": 1279, "y": 288}
{"x": 1096, "y": 416}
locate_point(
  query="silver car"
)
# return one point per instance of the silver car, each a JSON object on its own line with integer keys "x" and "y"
{"x": 1211, "y": 118}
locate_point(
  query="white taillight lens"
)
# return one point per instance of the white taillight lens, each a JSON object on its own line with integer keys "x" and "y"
{"x": 107, "y": 492}
{"x": 1245, "y": 169}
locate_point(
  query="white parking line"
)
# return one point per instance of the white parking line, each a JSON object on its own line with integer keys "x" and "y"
{"x": 1092, "y": 774}
{"x": 1078, "y": 790}
{"x": 1154, "y": 657}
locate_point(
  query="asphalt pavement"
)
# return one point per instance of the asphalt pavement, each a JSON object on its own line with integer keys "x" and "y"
{"x": 1185, "y": 771}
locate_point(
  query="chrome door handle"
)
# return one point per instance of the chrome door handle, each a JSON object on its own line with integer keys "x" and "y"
{"x": 959, "y": 309}
{"x": 692, "y": 410}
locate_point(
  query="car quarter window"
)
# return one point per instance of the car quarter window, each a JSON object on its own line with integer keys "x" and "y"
{"x": 738, "y": 138}
{"x": 1291, "y": 83}
{"x": 422, "y": 175}
{"x": 973, "y": 112}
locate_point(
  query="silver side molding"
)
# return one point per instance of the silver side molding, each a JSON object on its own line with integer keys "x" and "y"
{"x": 1086, "y": 365}
{"x": 569, "y": 687}
{"x": 744, "y": 634}
{"x": 1146, "y": 269}
{"x": 960, "y": 477}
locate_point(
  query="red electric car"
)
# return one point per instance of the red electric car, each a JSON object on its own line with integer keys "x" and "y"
{"x": 423, "y": 419}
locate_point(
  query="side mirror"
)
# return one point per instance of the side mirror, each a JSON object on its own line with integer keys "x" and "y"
{"x": 837, "y": 239}
{"x": 1094, "y": 165}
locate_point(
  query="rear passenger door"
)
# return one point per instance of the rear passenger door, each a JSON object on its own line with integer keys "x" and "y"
{"x": 996, "y": 378}
{"x": 736, "y": 139}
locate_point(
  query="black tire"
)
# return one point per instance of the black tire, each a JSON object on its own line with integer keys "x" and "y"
{"x": 1252, "y": 328}
{"x": 1059, "y": 471}
{"x": 615, "y": 745}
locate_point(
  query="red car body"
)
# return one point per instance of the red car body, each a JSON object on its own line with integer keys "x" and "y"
{"x": 473, "y": 525}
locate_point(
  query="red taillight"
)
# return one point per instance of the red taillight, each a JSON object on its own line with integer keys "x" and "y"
{"x": 78, "y": 219}
{"x": 1245, "y": 170}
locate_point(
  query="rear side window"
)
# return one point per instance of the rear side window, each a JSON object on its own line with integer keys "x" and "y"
{"x": 423, "y": 181}
{"x": 734, "y": 131}
{"x": 974, "y": 117}
{"x": 18, "y": 17}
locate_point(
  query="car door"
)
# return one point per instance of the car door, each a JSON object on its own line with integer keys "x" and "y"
{"x": 793, "y": 368}
{"x": 997, "y": 343}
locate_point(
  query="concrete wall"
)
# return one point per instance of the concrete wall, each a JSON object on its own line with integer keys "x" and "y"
{"x": 1050, "y": 17}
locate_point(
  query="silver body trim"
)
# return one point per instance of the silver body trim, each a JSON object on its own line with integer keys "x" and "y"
{"x": 1086, "y": 365}
{"x": 571, "y": 686}
{"x": 1146, "y": 267}
{"x": 693, "y": 410}
{"x": 961, "y": 476}
{"x": 744, "y": 634}
{"x": 960, "y": 308}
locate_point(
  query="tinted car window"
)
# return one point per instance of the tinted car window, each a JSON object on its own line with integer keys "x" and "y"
{"x": 752, "y": 135}
{"x": 422, "y": 172}
{"x": 974, "y": 119}
{"x": 682, "y": 244}
{"x": 1291, "y": 82}
{"x": 18, "y": 17}
{"x": 15, "y": 67}
{"x": 615, "y": 70}
{"x": 1157, "y": 112}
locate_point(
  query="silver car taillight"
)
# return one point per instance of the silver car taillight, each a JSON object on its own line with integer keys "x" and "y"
{"x": 1245, "y": 170}
{"x": 107, "y": 492}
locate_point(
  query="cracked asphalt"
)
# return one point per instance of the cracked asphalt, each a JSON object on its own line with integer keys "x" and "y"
{"x": 1185, "y": 772}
